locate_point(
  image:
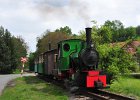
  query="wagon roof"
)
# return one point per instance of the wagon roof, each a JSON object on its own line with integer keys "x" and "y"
{"x": 53, "y": 50}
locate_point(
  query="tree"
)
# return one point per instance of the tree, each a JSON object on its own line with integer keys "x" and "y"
{"x": 65, "y": 30}
{"x": 11, "y": 49}
{"x": 115, "y": 60}
{"x": 5, "y": 52}
{"x": 11, "y": 45}
{"x": 96, "y": 38}
{"x": 31, "y": 60}
{"x": 51, "y": 37}
{"x": 138, "y": 56}
{"x": 106, "y": 34}
{"x": 116, "y": 28}
{"x": 138, "y": 30}
{"x": 130, "y": 33}
{"x": 20, "y": 49}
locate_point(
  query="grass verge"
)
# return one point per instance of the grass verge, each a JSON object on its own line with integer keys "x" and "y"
{"x": 32, "y": 88}
{"x": 127, "y": 85}
{"x": 17, "y": 71}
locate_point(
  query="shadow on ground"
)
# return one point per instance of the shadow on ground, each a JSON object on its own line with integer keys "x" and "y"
{"x": 32, "y": 80}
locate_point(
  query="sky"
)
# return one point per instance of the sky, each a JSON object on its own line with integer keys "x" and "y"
{"x": 30, "y": 18}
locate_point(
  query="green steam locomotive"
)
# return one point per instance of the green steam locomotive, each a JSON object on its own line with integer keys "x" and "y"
{"x": 74, "y": 60}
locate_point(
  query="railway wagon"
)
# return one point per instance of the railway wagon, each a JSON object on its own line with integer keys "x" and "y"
{"x": 40, "y": 64}
{"x": 74, "y": 60}
{"x": 50, "y": 58}
{"x": 35, "y": 65}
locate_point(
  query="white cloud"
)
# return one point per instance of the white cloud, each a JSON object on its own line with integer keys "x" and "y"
{"x": 30, "y": 18}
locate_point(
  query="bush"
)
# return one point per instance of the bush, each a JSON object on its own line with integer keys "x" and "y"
{"x": 115, "y": 61}
{"x": 138, "y": 56}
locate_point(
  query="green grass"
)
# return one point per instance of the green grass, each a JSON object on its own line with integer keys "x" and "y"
{"x": 32, "y": 88}
{"x": 17, "y": 71}
{"x": 127, "y": 85}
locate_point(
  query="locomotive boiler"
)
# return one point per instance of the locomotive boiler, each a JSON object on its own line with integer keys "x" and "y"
{"x": 74, "y": 60}
{"x": 89, "y": 56}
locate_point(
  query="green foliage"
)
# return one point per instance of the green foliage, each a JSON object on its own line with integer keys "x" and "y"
{"x": 138, "y": 56}
{"x": 109, "y": 32}
{"x": 116, "y": 28}
{"x": 104, "y": 51}
{"x": 65, "y": 30}
{"x": 5, "y": 52}
{"x": 17, "y": 71}
{"x": 112, "y": 31}
{"x": 31, "y": 59}
{"x": 96, "y": 38}
{"x": 138, "y": 51}
{"x": 106, "y": 34}
{"x": 11, "y": 49}
{"x": 130, "y": 33}
{"x": 115, "y": 60}
{"x": 138, "y": 30}
{"x": 20, "y": 49}
{"x": 113, "y": 71}
{"x": 137, "y": 38}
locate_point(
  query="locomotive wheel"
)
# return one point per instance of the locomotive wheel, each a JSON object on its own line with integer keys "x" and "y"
{"x": 74, "y": 89}
{"x": 71, "y": 86}
{"x": 66, "y": 84}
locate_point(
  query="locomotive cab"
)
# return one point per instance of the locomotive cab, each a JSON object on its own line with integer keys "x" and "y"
{"x": 68, "y": 56}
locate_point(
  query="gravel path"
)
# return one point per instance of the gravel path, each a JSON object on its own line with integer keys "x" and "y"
{"x": 4, "y": 79}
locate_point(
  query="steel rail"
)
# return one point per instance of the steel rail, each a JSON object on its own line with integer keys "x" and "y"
{"x": 114, "y": 95}
{"x": 105, "y": 95}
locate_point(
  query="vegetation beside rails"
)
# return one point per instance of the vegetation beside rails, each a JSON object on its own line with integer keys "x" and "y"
{"x": 129, "y": 86}
{"x": 32, "y": 88}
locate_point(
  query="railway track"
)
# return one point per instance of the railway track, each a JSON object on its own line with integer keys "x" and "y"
{"x": 90, "y": 94}
{"x": 105, "y": 95}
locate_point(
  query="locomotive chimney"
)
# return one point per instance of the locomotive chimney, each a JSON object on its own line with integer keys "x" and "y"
{"x": 88, "y": 36}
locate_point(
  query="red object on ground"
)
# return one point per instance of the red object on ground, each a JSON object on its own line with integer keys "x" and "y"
{"x": 94, "y": 76}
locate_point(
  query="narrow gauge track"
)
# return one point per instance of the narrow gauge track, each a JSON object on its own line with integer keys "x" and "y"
{"x": 88, "y": 93}
{"x": 105, "y": 95}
